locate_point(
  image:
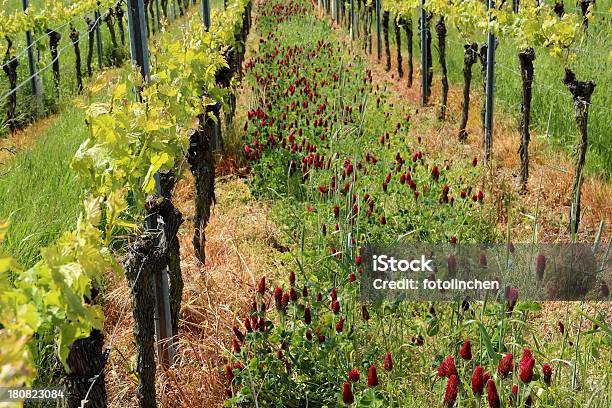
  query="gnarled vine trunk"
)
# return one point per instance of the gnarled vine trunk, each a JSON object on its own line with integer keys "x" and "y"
{"x": 108, "y": 19}
{"x": 581, "y": 93}
{"x": 368, "y": 30}
{"x": 470, "y": 54}
{"x": 152, "y": 14}
{"x": 441, "y": 32}
{"x": 119, "y": 13}
{"x": 85, "y": 380}
{"x": 584, "y": 7}
{"x": 9, "y": 67}
{"x": 202, "y": 163}
{"x": 146, "y": 16}
{"x": 74, "y": 37}
{"x": 164, "y": 8}
{"x": 364, "y": 25}
{"x": 407, "y": 23}
{"x": 398, "y": 44}
{"x": 385, "y": 24}
{"x": 526, "y": 57}
{"x": 91, "y": 26}
{"x": 355, "y": 20}
{"x": 142, "y": 262}
{"x": 54, "y": 39}
{"x": 224, "y": 77}
{"x": 482, "y": 56}
{"x": 559, "y": 8}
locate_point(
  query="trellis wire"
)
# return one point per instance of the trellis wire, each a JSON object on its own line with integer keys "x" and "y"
{"x": 592, "y": 11}
{"x": 44, "y": 36}
{"x": 537, "y": 85}
{"x": 21, "y": 53}
{"x": 489, "y": 88}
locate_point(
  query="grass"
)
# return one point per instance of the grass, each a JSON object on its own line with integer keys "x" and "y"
{"x": 289, "y": 354}
{"x": 39, "y": 194}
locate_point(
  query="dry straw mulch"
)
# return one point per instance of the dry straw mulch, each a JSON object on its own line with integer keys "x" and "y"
{"x": 240, "y": 249}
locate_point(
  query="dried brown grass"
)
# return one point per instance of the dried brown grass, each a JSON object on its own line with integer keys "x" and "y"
{"x": 239, "y": 250}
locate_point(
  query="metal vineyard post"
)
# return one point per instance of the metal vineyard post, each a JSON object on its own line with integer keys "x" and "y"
{"x": 36, "y": 89}
{"x": 206, "y": 13}
{"x": 97, "y": 19}
{"x": 490, "y": 87}
{"x": 424, "y": 67}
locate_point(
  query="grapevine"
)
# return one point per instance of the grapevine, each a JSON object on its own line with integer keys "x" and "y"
{"x": 50, "y": 14}
{"x": 129, "y": 142}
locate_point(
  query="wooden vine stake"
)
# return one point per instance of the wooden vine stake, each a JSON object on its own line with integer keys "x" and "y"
{"x": 37, "y": 91}
{"x": 581, "y": 93}
{"x": 429, "y": 54}
{"x": 173, "y": 219}
{"x": 489, "y": 90}
{"x": 206, "y": 13}
{"x": 424, "y": 57}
